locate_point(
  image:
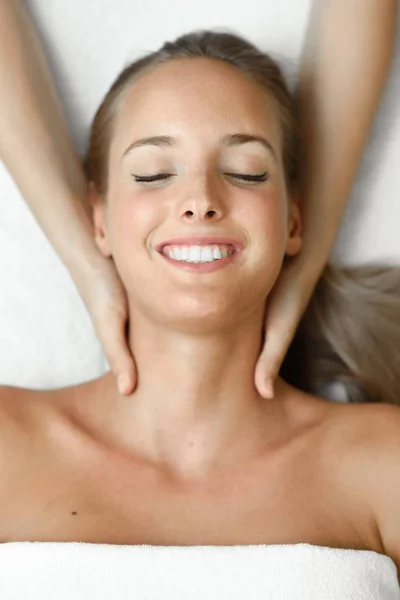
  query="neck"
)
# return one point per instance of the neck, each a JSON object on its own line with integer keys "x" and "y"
{"x": 195, "y": 408}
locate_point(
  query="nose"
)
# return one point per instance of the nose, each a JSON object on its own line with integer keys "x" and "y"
{"x": 204, "y": 203}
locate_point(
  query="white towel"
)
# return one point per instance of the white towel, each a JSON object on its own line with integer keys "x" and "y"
{"x": 74, "y": 571}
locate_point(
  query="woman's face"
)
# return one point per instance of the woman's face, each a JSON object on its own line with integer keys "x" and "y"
{"x": 202, "y": 109}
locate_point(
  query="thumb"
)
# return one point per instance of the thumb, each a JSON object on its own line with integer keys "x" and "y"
{"x": 278, "y": 337}
{"x": 114, "y": 342}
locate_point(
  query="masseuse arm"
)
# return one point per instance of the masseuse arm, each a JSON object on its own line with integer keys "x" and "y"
{"x": 345, "y": 63}
{"x": 36, "y": 148}
{"x": 344, "y": 67}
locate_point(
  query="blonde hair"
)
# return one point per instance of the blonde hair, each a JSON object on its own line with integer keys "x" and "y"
{"x": 350, "y": 331}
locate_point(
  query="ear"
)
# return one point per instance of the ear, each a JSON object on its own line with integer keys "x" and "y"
{"x": 98, "y": 205}
{"x": 295, "y": 227}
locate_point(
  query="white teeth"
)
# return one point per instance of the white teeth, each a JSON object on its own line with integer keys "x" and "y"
{"x": 198, "y": 254}
{"x": 194, "y": 254}
{"x": 185, "y": 253}
{"x": 207, "y": 254}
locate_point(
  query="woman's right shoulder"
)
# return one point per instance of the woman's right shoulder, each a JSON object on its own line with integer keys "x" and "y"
{"x": 21, "y": 413}
{"x": 13, "y": 401}
{"x": 17, "y": 406}
{"x": 24, "y": 415}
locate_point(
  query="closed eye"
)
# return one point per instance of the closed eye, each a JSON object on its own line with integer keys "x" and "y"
{"x": 256, "y": 178}
{"x": 163, "y": 176}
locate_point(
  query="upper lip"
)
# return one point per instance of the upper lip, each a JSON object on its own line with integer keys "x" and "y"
{"x": 195, "y": 240}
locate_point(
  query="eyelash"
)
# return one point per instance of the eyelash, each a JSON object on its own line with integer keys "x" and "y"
{"x": 162, "y": 176}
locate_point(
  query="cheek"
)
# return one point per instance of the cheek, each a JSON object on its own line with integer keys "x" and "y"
{"x": 132, "y": 222}
{"x": 264, "y": 218}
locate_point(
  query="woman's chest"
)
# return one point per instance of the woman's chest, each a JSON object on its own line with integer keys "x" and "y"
{"x": 102, "y": 502}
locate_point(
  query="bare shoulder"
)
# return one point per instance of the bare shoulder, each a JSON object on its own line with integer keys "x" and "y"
{"x": 26, "y": 422}
{"x": 24, "y": 416}
{"x": 35, "y": 421}
{"x": 18, "y": 406}
{"x": 20, "y": 411}
{"x": 381, "y": 474}
{"x": 27, "y": 418}
{"x": 366, "y": 437}
{"x": 369, "y": 431}
{"x": 364, "y": 423}
{"x": 15, "y": 442}
{"x": 13, "y": 405}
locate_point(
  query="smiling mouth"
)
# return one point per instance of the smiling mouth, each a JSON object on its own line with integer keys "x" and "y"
{"x": 198, "y": 254}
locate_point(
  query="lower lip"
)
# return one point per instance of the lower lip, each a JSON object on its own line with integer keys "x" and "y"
{"x": 207, "y": 267}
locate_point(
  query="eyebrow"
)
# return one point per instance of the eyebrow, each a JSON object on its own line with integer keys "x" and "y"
{"x": 229, "y": 140}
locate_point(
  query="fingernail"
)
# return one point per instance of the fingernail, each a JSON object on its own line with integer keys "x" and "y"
{"x": 123, "y": 384}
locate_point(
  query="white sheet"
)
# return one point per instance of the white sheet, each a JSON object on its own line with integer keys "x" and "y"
{"x": 44, "y": 571}
{"x": 46, "y": 336}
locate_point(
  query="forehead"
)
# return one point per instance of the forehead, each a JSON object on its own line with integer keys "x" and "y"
{"x": 200, "y": 94}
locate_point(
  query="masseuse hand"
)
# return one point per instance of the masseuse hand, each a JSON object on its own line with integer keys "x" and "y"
{"x": 106, "y": 300}
{"x": 284, "y": 309}
{"x": 334, "y": 128}
{"x": 32, "y": 125}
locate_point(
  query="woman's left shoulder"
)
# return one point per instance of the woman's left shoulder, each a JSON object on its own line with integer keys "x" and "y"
{"x": 371, "y": 436}
{"x": 366, "y": 425}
